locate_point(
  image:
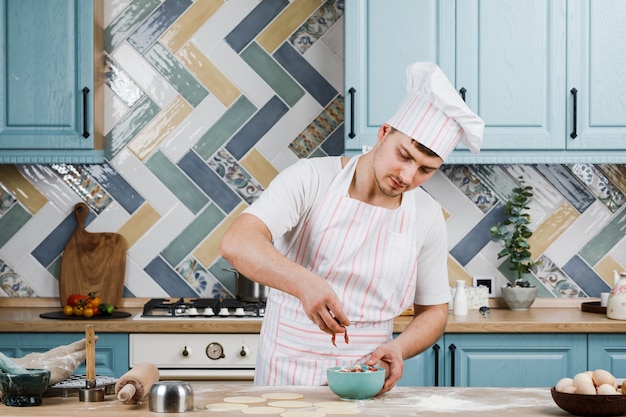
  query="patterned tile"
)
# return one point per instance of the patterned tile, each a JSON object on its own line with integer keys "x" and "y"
{"x": 317, "y": 25}
{"x": 599, "y": 185}
{"x": 286, "y": 23}
{"x": 120, "y": 83}
{"x": 210, "y": 182}
{"x": 234, "y": 175}
{"x": 12, "y": 284}
{"x": 206, "y": 98}
{"x": 465, "y": 180}
{"x": 83, "y": 184}
{"x": 319, "y": 129}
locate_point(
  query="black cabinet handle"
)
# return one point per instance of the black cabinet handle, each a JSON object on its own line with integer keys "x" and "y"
{"x": 436, "y": 348}
{"x": 575, "y": 94}
{"x": 452, "y": 349}
{"x": 352, "y": 91}
{"x": 85, "y": 127}
{"x": 463, "y": 91}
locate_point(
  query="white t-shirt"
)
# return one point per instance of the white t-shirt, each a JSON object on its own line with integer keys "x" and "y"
{"x": 285, "y": 206}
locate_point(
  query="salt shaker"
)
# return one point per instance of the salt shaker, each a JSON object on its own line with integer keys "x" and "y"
{"x": 460, "y": 299}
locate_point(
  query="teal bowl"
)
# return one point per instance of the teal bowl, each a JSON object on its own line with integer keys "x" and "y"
{"x": 24, "y": 390}
{"x": 355, "y": 385}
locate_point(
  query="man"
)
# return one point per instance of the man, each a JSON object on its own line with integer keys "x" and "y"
{"x": 352, "y": 243}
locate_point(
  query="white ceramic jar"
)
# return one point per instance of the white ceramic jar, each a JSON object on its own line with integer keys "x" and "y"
{"x": 616, "y": 305}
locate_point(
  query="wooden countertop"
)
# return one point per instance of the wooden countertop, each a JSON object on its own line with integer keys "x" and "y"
{"x": 566, "y": 319}
{"x": 401, "y": 401}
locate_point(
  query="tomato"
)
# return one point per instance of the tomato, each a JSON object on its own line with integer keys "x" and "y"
{"x": 94, "y": 300}
{"x": 88, "y": 312}
{"x": 68, "y": 310}
{"x": 76, "y": 299}
{"x": 78, "y": 310}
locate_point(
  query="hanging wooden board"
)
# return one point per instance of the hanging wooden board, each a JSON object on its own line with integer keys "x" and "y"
{"x": 93, "y": 262}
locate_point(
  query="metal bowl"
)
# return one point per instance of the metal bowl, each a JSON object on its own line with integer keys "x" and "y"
{"x": 171, "y": 397}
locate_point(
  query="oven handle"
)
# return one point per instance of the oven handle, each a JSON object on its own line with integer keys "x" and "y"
{"x": 207, "y": 374}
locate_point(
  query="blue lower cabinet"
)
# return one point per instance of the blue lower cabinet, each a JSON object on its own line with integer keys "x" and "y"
{"x": 498, "y": 360}
{"x": 608, "y": 352}
{"x": 111, "y": 349}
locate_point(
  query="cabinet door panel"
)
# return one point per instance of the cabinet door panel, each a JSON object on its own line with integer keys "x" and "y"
{"x": 511, "y": 60}
{"x": 46, "y": 61}
{"x": 597, "y": 69}
{"x": 608, "y": 351}
{"x": 425, "y": 369}
{"x": 515, "y": 360}
{"x": 384, "y": 37}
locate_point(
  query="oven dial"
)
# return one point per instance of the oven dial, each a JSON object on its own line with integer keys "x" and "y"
{"x": 186, "y": 352}
{"x": 245, "y": 351}
{"x": 215, "y": 351}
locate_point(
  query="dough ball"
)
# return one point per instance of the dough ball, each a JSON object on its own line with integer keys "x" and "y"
{"x": 564, "y": 383}
{"x": 601, "y": 377}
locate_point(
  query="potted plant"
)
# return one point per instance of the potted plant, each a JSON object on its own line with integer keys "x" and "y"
{"x": 513, "y": 234}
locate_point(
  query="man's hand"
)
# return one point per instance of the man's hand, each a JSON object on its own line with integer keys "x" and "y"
{"x": 322, "y": 306}
{"x": 388, "y": 356}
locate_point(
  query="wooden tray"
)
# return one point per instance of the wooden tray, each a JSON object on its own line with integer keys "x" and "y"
{"x": 59, "y": 315}
{"x": 593, "y": 307}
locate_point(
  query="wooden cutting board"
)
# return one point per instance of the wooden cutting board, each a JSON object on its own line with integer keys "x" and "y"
{"x": 93, "y": 262}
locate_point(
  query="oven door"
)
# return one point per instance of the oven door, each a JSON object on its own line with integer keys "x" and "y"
{"x": 200, "y": 357}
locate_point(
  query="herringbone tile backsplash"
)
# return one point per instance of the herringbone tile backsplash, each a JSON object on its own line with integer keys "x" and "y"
{"x": 206, "y": 101}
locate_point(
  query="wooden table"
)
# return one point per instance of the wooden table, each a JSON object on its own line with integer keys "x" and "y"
{"x": 401, "y": 402}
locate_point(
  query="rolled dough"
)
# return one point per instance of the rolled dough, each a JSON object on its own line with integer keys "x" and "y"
{"x": 335, "y": 404}
{"x": 290, "y": 404}
{"x": 225, "y": 406}
{"x": 303, "y": 413}
{"x": 262, "y": 410}
{"x": 244, "y": 399}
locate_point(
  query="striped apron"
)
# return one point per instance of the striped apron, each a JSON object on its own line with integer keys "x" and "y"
{"x": 367, "y": 254}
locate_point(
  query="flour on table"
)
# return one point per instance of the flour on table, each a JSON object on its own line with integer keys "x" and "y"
{"x": 340, "y": 410}
{"x": 244, "y": 399}
{"x": 262, "y": 410}
{"x": 282, "y": 396}
{"x": 225, "y": 406}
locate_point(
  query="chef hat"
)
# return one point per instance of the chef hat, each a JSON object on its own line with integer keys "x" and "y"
{"x": 434, "y": 114}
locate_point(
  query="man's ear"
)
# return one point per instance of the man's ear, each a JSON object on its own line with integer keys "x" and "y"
{"x": 383, "y": 131}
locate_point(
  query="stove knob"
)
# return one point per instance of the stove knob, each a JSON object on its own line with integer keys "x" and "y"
{"x": 245, "y": 351}
{"x": 240, "y": 312}
{"x": 223, "y": 312}
{"x": 192, "y": 311}
{"x": 186, "y": 352}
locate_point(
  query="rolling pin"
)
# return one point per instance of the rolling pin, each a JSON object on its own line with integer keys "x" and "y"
{"x": 136, "y": 383}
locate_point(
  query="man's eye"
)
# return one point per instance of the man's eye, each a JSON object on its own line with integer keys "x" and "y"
{"x": 404, "y": 155}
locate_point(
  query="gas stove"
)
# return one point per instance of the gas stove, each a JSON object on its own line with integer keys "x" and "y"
{"x": 202, "y": 308}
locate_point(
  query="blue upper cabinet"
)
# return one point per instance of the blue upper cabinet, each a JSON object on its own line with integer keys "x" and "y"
{"x": 47, "y": 82}
{"x": 382, "y": 37}
{"x": 546, "y": 76}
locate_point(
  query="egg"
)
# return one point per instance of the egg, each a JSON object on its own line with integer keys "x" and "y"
{"x": 586, "y": 388}
{"x": 563, "y": 384}
{"x": 601, "y": 377}
{"x": 570, "y": 390}
{"x": 607, "y": 389}
{"x": 582, "y": 377}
